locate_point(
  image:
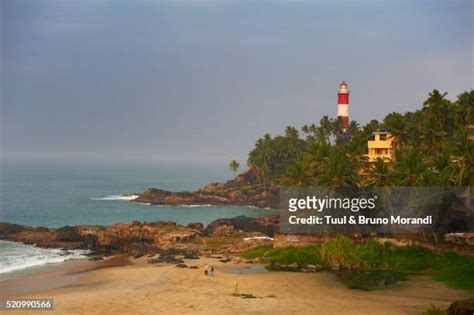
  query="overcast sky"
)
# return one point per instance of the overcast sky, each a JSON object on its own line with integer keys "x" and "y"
{"x": 202, "y": 80}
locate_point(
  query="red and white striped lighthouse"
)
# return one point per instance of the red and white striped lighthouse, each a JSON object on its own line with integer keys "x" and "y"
{"x": 343, "y": 105}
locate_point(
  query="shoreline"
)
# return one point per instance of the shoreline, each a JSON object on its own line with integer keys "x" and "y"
{"x": 143, "y": 288}
{"x": 59, "y": 275}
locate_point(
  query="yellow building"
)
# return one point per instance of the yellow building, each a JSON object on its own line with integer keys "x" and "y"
{"x": 380, "y": 145}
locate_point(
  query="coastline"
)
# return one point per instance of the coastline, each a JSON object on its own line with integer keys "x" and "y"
{"x": 143, "y": 288}
{"x": 57, "y": 276}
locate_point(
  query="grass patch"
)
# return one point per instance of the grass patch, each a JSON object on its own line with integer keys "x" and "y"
{"x": 434, "y": 310}
{"x": 309, "y": 255}
{"x": 369, "y": 280}
{"x": 368, "y": 265}
{"x": 218, "y": 242}
{"x": 258, "y": 251}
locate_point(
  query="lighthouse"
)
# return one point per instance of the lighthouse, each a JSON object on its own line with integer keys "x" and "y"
{"x": 343, "y": 105}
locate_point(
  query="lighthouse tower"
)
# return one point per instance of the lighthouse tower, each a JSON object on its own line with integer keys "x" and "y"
{"x": 343, "y": 105}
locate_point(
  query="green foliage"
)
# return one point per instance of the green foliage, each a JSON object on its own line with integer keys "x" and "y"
{"x": 234, "y": 165}
{"x": 258, "y": 251}
{"x": 369, "y": 280}
{"x": 363, "y": 264}
{"x": 299, "y": 255}
{"x": 345, "y": 254}
{"x": 434, "y": 310}
{"x": 432, "y": 144}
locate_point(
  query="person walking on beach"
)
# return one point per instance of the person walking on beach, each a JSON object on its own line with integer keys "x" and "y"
{"x": 206, "y": 270}
{"x": 213, "y": 272}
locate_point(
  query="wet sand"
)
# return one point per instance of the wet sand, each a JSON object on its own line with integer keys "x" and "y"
{"x": 143, "y": 288}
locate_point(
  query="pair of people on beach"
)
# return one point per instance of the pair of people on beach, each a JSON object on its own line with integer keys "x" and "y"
{"x": 212, "y": 273}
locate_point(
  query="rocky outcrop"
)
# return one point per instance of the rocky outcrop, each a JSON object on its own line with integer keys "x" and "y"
{"x": 267, "y": 225}
{"x": 196, "y": 226}
{"x": 156, "y": 196}
{"x": 136, "y": 238}
{"x": 240, "y": 191}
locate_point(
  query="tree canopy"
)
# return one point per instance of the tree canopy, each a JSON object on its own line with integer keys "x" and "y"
{"x": 432, "y": 149}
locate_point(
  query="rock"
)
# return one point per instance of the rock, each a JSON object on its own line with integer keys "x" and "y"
{"x": 96, "y": 258}
{"x": 182, "y": 266}
{"x": 265, "y": 225}
{"x": 237, "y": 260}
{"x": 224, "y": 230}
{"x": 90, "y": 241}
{"x": 215, "y": 256}
{"x": 224, "y": 261}
{"x": 196, "y": 226}
{"x": 462, "y": 307}
{"x": 191, "y": 257}
{"x": 311, "y": 268}
{"x": 193, "y": 267}
{"x": 7, "y": 229}
{"x": 136, "y": 239}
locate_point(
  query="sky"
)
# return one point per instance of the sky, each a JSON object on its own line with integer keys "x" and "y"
{"x": 202, "y": 80}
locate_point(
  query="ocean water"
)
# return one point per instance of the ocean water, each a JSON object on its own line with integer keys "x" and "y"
{"x": 59, "y": 194}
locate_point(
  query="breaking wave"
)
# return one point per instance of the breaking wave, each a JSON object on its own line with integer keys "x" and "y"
{"x": 117, "y": 197}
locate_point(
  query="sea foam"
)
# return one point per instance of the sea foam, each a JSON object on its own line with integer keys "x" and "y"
{"x": 16, "y": 256}
{"x": 117, "y": 197}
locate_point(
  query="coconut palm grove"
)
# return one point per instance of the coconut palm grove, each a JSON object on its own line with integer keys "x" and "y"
{"x": 432, "y": 146}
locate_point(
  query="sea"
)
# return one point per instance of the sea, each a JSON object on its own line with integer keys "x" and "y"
{"x": 55, "y": 194}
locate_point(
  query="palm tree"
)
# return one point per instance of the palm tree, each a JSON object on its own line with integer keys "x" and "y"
{"x": 410, "y": 168}
{"x": 338, "y": 170}
{"x": 394, "y": 123}
{"x": 379, "y": 173}
{"x": 465, "y": 103}
{"x": 437, "y": 104}
{"x": 462, "y": 156}
{"x": 234, "y": 166}
{"x": 431, "y": 137}
{"x": 291, "y": 132}
{"x": 296, "y": 175}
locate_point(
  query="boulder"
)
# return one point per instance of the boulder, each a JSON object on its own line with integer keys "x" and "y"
{"x": 462, "y": 307}
{"x": 182, "y": 266}
{"x": 68, "y": 234}
{"x": 265, "y": 225}
{"x": 196, "y": 226}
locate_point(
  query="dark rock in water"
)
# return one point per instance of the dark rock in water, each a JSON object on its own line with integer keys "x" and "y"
{"x": 462, "y": 307}
{"x": 90, "y": 241}
{"x": 182, "y": 266}
{"x": 224, "y": 261}
{"x": 191, "y": 257}
{"x": 7, "y": 229}
{"x": 193, "y": 267}
{"x": 228, "y": 193}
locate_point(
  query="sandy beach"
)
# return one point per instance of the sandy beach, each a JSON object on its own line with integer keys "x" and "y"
{"x": 115, "y": 286}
